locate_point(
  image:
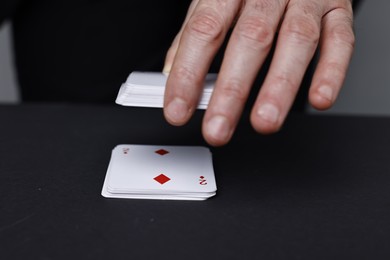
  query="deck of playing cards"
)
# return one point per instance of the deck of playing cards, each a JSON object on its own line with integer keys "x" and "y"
{"x": 146, "y": 89}
{"x": 160, "y": 172}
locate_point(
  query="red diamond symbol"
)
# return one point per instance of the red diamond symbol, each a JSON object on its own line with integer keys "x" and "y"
{"x": 161, "y": 152}
{"x": 161, "y": 178}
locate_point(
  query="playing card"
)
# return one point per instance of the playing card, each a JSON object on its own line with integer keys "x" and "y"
{"x": 146, "y": 89}
{"x": 160, "y": 172}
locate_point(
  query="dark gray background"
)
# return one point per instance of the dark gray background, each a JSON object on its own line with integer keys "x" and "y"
{"x": 366, "y": 90}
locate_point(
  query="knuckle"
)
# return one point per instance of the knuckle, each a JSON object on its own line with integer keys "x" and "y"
{"x": 206, "y": 25}
{"x": 184, "y": 74}
{"x": 334, "y": 73}
{"x": 286, "y": 83}
{"x": 302, "y": 31}
{"x": 343, "y": 34}
{"x": 233, "y": 89}
{"x": 262, "y": 5}
{"x": 334, "y": 68}
{"x": 257, "y": 30}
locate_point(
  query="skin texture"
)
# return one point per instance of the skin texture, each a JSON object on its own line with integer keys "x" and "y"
{"x": 302, "y": 26}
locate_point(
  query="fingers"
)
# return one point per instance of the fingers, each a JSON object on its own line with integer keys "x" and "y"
{"x": 248, "y": 46}
{"x": 301, "y": 26}
{"x": 297, "y": 41}
{"x": 337, "y": 44}
{"x": 200, "y": 40}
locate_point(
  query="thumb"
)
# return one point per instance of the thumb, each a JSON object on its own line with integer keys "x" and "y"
{"x": 170, "y": 56}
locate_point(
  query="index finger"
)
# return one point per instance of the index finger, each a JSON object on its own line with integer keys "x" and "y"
{"x": 200, "y": 40}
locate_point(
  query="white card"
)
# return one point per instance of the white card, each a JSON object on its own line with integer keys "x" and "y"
{"x": 146, "y": 89}
{"x": 165, "y": 172}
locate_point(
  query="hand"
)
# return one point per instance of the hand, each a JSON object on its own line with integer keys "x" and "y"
{"x": 301, "y": 25}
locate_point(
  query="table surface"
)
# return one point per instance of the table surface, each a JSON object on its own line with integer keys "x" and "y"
{"x": 318, "y": 189}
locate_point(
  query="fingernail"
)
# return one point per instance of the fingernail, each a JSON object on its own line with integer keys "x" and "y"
{"x": 268, "y": 112}
{"x": 326, "y": 92}
{"x": 177, "y": 110}
{"x": 167, "y": 69}
{"x": 218, "y": 128}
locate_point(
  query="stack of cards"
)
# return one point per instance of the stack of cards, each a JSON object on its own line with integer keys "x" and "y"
{"x": 146, "y": 89}
{"x": 160, "y": 172}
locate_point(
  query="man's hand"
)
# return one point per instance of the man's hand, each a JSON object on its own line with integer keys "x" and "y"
{"x": 302, "y": 26}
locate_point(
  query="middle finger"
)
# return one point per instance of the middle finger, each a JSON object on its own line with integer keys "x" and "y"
{"x": 248, "y": 47}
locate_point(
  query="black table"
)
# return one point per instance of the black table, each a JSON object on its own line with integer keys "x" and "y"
{"x": 318, "y": 189}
